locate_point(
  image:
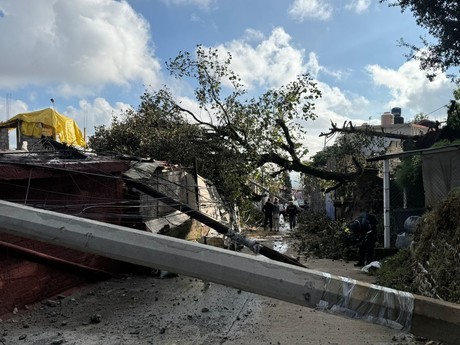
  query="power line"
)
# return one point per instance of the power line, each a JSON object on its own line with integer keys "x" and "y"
{"x": 431, "y": 112}
{"x": 101, "y": 202}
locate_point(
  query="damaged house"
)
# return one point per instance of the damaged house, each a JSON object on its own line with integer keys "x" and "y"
{"x": 49, "y": 172}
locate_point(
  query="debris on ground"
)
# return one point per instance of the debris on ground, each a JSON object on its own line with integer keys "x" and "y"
{"x": 373, "y": 266}
{"x": 431, "y": 266}
{"x": 321, "y": 237}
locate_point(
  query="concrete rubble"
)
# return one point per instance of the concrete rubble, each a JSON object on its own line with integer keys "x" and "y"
{"x": 182, "y": 310}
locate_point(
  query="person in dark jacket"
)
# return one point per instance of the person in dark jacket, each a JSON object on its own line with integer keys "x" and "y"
{"x": 291, "y": 211}
{"x": 365, "y": 227}
{"x": 267, "y": 209}
{"x": 276, "y": 215}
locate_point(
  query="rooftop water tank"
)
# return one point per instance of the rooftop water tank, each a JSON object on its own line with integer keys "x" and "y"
{"x": 398, "y": 120}
{"x": 386, "y": 119}
{"x": 396, "y": 111}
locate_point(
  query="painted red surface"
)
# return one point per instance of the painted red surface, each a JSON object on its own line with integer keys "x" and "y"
{"x": 25, "y": 279}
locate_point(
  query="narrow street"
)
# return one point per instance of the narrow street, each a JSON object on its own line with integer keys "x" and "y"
{"x": 182, "y": 310}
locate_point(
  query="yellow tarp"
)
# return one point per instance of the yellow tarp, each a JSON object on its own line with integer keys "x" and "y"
{"x": 38, "y": 122}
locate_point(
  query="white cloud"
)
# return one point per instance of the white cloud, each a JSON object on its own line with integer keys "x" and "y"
{"x": 253, "y": 35}
{"x": 310, "y": 9}
{"x": 273, "y": 61}
{"x": 195, "y": 18}
{"x": 410, "y": 89}
{"x": 358, "y": 6}
{"x": 339, "y": 102}
{"x": 80, "y": 43}
{"x": 314, "y": 68}
{"x": 270, "y": 62}
{"x": 10, "y": 107}
{"x": 200, "y": 3}
{"x": 92, "y": 113}
{"x": 336, "y": 106}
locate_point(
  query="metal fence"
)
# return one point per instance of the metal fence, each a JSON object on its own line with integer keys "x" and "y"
{"x": 429, "y": 175}
{"x": 430, "y": 178}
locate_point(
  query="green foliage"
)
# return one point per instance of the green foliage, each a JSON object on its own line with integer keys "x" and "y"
{"x": 437, "y": 247}
{"x": 398, "y": 271}
{"x": 409, "y": 178}
{"x": 229, "y": 133}
{"x": 359, "y": 145}
{"x": 445, "y": 142}
{"x": 322, "y": 237}
{"x": 419, "y": 117}
{"x": 440, "y": 18}
{"x": 249, "y": 124}
{"x": 149, "y": 132}
{"x": 409, "y": 172}
{"x": 453, "y": 112}
{"x": 156, "y": 131}
{"x": 320, "y": 159}
{"x": 432, "y": 268}
{"x": 340, "y": 155}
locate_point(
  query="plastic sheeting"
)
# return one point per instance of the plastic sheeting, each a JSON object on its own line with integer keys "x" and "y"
{"x": 380, "y": 305}
{"x": 440, "y": 175}
{"x": 36, "y": 123}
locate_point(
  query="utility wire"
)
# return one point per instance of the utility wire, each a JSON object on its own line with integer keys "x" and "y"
{"x": 59, "y": 205}
{"x": 445, "y": 105}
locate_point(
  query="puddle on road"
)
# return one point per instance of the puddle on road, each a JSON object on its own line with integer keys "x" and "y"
{"x": 280, "y": 246}
{"x": 279, "y": 241}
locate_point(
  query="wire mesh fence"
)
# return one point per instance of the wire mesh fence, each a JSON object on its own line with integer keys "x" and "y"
{"x": 418, "y": 182}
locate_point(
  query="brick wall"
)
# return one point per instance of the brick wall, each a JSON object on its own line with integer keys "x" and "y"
{"x": 4, "y": 139}
{"x": 33, "y": 144}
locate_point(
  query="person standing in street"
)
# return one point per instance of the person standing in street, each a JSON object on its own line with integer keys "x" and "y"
{"x": 365, "y": 228}
{"x": 291, "y": 211}
{"x": 267, "y": 209}
{"x": 276, "y": 215}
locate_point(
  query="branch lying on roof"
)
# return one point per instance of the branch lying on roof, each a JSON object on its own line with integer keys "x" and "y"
{"x": 348, "y": 127}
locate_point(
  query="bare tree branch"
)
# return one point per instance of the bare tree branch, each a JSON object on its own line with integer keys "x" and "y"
{"x": 310, "y": 170}
{"x": 334, "y": 187}
{"x": 291, "y": 146}
{"x": 349, "y": 128}
{"x": 194, "y": 117}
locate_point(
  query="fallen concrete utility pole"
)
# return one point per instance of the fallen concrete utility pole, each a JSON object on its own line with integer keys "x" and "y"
{"x": 223, "y": 229}
{"x": 421, "y": 316}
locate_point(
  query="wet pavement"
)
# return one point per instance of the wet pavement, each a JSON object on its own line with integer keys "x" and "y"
{"x": 284, "y": 243}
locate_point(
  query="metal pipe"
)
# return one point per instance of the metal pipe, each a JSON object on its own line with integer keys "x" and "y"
{"x": 386, "y": 203}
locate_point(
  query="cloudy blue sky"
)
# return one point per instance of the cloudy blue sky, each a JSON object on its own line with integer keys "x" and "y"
{"x": 96, "y": 57}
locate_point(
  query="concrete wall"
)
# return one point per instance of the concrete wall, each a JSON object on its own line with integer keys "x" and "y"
{"x": 181, "y": 186}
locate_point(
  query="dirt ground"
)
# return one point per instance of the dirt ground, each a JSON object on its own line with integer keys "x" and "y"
{"x": 139, "y": 310}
